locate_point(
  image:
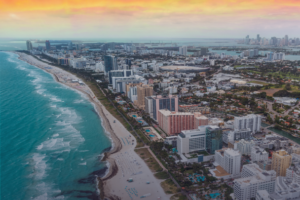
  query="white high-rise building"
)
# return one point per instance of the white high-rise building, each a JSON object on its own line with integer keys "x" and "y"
{"x": 192, "y": 140}
{"x": 183, "y": 50}
{"x": 279, "y": 56}
{"x": 229, "y": 160}
{"x": 253, "y": 179}
{"x": 258, "y": 154}
{"x": 251, "y": 121}
{"x": 244, "y": 147}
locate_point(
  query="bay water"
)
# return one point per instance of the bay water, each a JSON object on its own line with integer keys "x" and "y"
{"x": 51, "y": 137}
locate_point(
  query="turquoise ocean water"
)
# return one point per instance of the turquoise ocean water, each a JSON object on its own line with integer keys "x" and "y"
{"x": 52, "y": 139}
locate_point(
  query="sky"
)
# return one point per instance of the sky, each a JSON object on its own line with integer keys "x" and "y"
{"x": 149, "y": 18}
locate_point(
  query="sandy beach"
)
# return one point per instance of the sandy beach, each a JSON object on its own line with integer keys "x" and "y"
{"x": 124, "y": 163}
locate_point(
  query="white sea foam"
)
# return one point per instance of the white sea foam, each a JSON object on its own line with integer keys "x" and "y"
{"x": 40, "y": 147}
{"x": 55, "y": 99}
{"x": 39, "y": 165}
{"x": 60, "y": 159}
{"x": 84, "y": 163}
{"x": 53, "y": 106}
{"x": 79, "y": 101}
{"x": 55, "y": 135}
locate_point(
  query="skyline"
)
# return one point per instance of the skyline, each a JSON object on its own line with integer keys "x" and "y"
{"x": 154, "y": 19}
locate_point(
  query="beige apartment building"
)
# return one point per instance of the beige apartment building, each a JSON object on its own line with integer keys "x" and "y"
{"x": 142, "y": 92}
{"x": 281, "y": 160}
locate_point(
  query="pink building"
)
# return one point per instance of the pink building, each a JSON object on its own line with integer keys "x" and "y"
{"x": 174, "y": 122}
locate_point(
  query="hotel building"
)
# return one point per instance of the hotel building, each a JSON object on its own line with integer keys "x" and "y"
{"x": 174, "y": 122}
{"x": 155, "y": 103}
{"x": 281, "y": 160}
{"x": 253, "y": 122}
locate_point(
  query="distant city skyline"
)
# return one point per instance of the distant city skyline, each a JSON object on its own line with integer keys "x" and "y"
{"x": 156, "y": 19}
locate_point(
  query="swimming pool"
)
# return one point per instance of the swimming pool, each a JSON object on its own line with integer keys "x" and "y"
{"x": 148, "y": 131}
{"x": 152, "y": 135}
{"x": 133, "y": 115}
{"x": 214, "y": 195}
{"x": 140, "y": 121}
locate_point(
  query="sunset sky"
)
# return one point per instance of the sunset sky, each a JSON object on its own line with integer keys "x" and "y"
{"x": 148, "y": 18}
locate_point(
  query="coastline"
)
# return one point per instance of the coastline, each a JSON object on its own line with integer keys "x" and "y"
{"x": 122, "y": 161}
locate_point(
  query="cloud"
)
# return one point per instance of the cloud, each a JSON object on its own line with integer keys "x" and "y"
{"x": 14, "y": 16}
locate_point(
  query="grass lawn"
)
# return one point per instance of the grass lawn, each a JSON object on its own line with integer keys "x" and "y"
{"x": 162, "y": 175}
{"x": 169, "y": 186}
{"x": 190, "y": 171}
{"x": 178, "y": 197}
{"x": 149, "y": 160}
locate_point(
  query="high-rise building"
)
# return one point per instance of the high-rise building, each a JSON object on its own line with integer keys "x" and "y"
{"x": 279, "y": 56}
{"x": 270, "y": 56}
{"x": 204, "y": 51}
{"x": 47, "y": 44}
{"x": 155, "y": 103}
{"x": 118, "y": 73}
{"x": 131, "y": 91}
{"x": 258, "y": 38}
{"x": 253, "y": 179}
{"x": 258, "y": 154}
{"x": 191, "y": 140}
{"x": 213, "y": 139}
{"x": 229, "y": 160}
{"x": 286, "y": 40}
{"x": 247, "y": 39}
{"x": 281, "y": 160}
{"x": 251, "y": 121}
{"x": 70, "y": 45}
{"x": 244, "y": 147}
{"x": 175, "y": 122}
{"x": 119, "y": 83}
{"x": 183, "y": 50}
{"x": 110, "y": 63}
{"x": 29, "y": 45}
{"x": 273, "y": 41}
{"x": 142, "y": 92}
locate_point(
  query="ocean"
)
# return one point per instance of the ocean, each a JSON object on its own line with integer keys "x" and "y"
{"x": 52, "y": 139}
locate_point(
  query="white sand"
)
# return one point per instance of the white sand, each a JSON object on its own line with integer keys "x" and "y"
{"x": 124, "y": 162}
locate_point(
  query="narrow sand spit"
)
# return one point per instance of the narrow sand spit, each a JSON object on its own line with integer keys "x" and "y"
{"x": 124, "y": 163}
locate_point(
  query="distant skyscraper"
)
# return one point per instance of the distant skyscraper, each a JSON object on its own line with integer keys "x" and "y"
{"x": 247, "y": 39}
{"x": 258, "y": 38}
{"x": 70, "y": 45}
{"x": 183, "y": 50}
{"x": 48, "y": 46}
{"x": 29, "y": 45}
{"x": 286, "y": 40}
{"x": 110, "y": 63}
{"x": 274, "y": 41}
{"x": 204, "y": 51}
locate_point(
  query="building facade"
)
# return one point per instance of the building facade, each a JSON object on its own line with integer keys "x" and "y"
{"x": 142, "y": 92}
{"x": 110, "y": 63}
{"x": 174, "y": 122}
{"x": 191, "y": 140}
{"x": 213, "y": 139}
{"x": 155, "y": 103}
{"x": 281, "y": 160}
{"x": 251, "y": 121}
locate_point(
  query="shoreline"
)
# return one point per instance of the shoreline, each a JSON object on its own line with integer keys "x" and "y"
{"x": 116, "y": 144}
{"x": 122, "y": 160}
